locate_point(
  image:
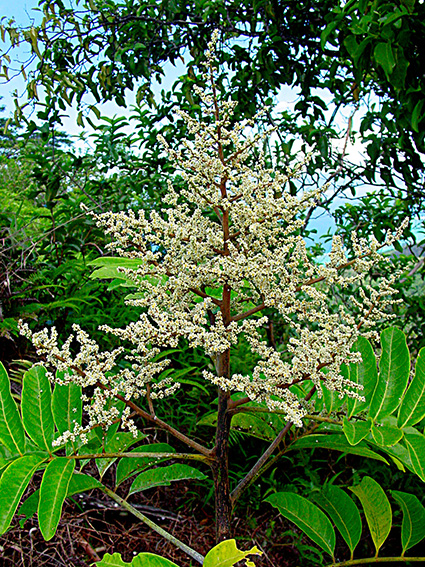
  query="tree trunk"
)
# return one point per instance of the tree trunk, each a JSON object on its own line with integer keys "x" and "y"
{"x": 220, "y": 470}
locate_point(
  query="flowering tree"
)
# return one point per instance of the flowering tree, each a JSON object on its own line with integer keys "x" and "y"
{"x": 223, "y": 250}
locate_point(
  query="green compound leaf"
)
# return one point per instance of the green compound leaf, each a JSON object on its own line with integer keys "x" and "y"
{"x": 307, "y": 516}
{"x": 415, "y": 444}
{"x": 53, "y": 491}
{"x": 117, "y": 444}
{"x": 141, "y": 560}
{"x": 386, "y": 435}
{"x": 394, "y": 368}
{"x": 336, "y": 442}
{"x": 67, "y": 406}
{"x": 364, "y": 373}
{"x": 247, "y": 423}
{"x": 413, "y": 524}
{"x": 342, "y": 511}
{"x": 163, "y": 476}
{"x": 79, "y": 483}
{"x": 356, "y": 431}
{"x": 412, "y": 409}
{"x": 13, "y": 483}
{"x": 226, "y": 554}
{"x": 377, "y": 509}
{"x": 384, "y": 56}
{"x": 12, "y": 434}
{"x": 37, "y": 407}
{"x": 131, "y": 465}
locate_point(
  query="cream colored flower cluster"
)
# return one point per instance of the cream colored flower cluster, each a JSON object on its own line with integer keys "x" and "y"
{"x": 221, "y": 250}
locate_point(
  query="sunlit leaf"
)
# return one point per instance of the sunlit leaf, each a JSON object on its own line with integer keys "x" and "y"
{"x": 377, "y": 509}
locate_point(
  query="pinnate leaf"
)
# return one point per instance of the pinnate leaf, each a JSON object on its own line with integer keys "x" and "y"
{"x": 163, "y": 476}
{"x": 394, "y": 367}
{"x": 53, "y": 491}
{"x": 128, "y": 466}
{"x": 355, "y": 431}
{"x": 12, "y": 434}
{"x": 13, "y": 483}
{"x": 415, "y": 443}
{"x": 37, "y": 407}
{"x": 413, "y": 524}
{"x": 307, "y": 516}
{"x": 364, "y": 373}
{"x": 336, "y": 442}
{"x": 412, "y": 409}
{"x": 67, "y": 406}
{"x": 377, "y": 509}
{"x": 342, "y": 511}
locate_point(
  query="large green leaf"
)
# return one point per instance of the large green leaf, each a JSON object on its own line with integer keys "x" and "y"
{"x": 394, "y": 367}
{"x": 415, "y": 444}
{"x": 336, "y": 442}
{"x": 12, "y": 433}
{"x": 141, "y": 560}
{"x": 37, "y": 407}
{"x": 364, "y": 373}
{"x": 226, "y": 554}
{"x": 13, "y": 482}
{"x": 128, "y": 466}
{"x": 377, "y": 509}
{"x": 307, "y": 516}
{"x": 342, "y": 511}
{"x": 412, "y": 409}
{"x": 355, "y": 431}
{"x": 53, "y": 491}
{"x": 253, "y": 424}
{"x": 163, "y": 476}
{"x": 384, "y": 56}
{"x": 79, "y": 483}
{"x": 413, "y": 524}
{"x": 67, "y": 406}
{"x": 386, "y": 435}
{"x": 117, "y": 444}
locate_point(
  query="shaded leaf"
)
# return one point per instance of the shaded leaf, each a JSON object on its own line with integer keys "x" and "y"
{"x": 163, "y": 476}
{"x": 117, "y": 444}
{"x": 413, "y": 524}
{"x": 128, "y": 466}
{"x": 247, "y": 423}
{"x": 307, "y": 516}
{"x": 384, "y": 56}
{"x": 342, "y": 511}
{"x": 336, "y": 442}
{"x": 415, "y": 444}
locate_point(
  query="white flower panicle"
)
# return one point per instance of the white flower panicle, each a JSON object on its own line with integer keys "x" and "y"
{"x": 233, "y": 229}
